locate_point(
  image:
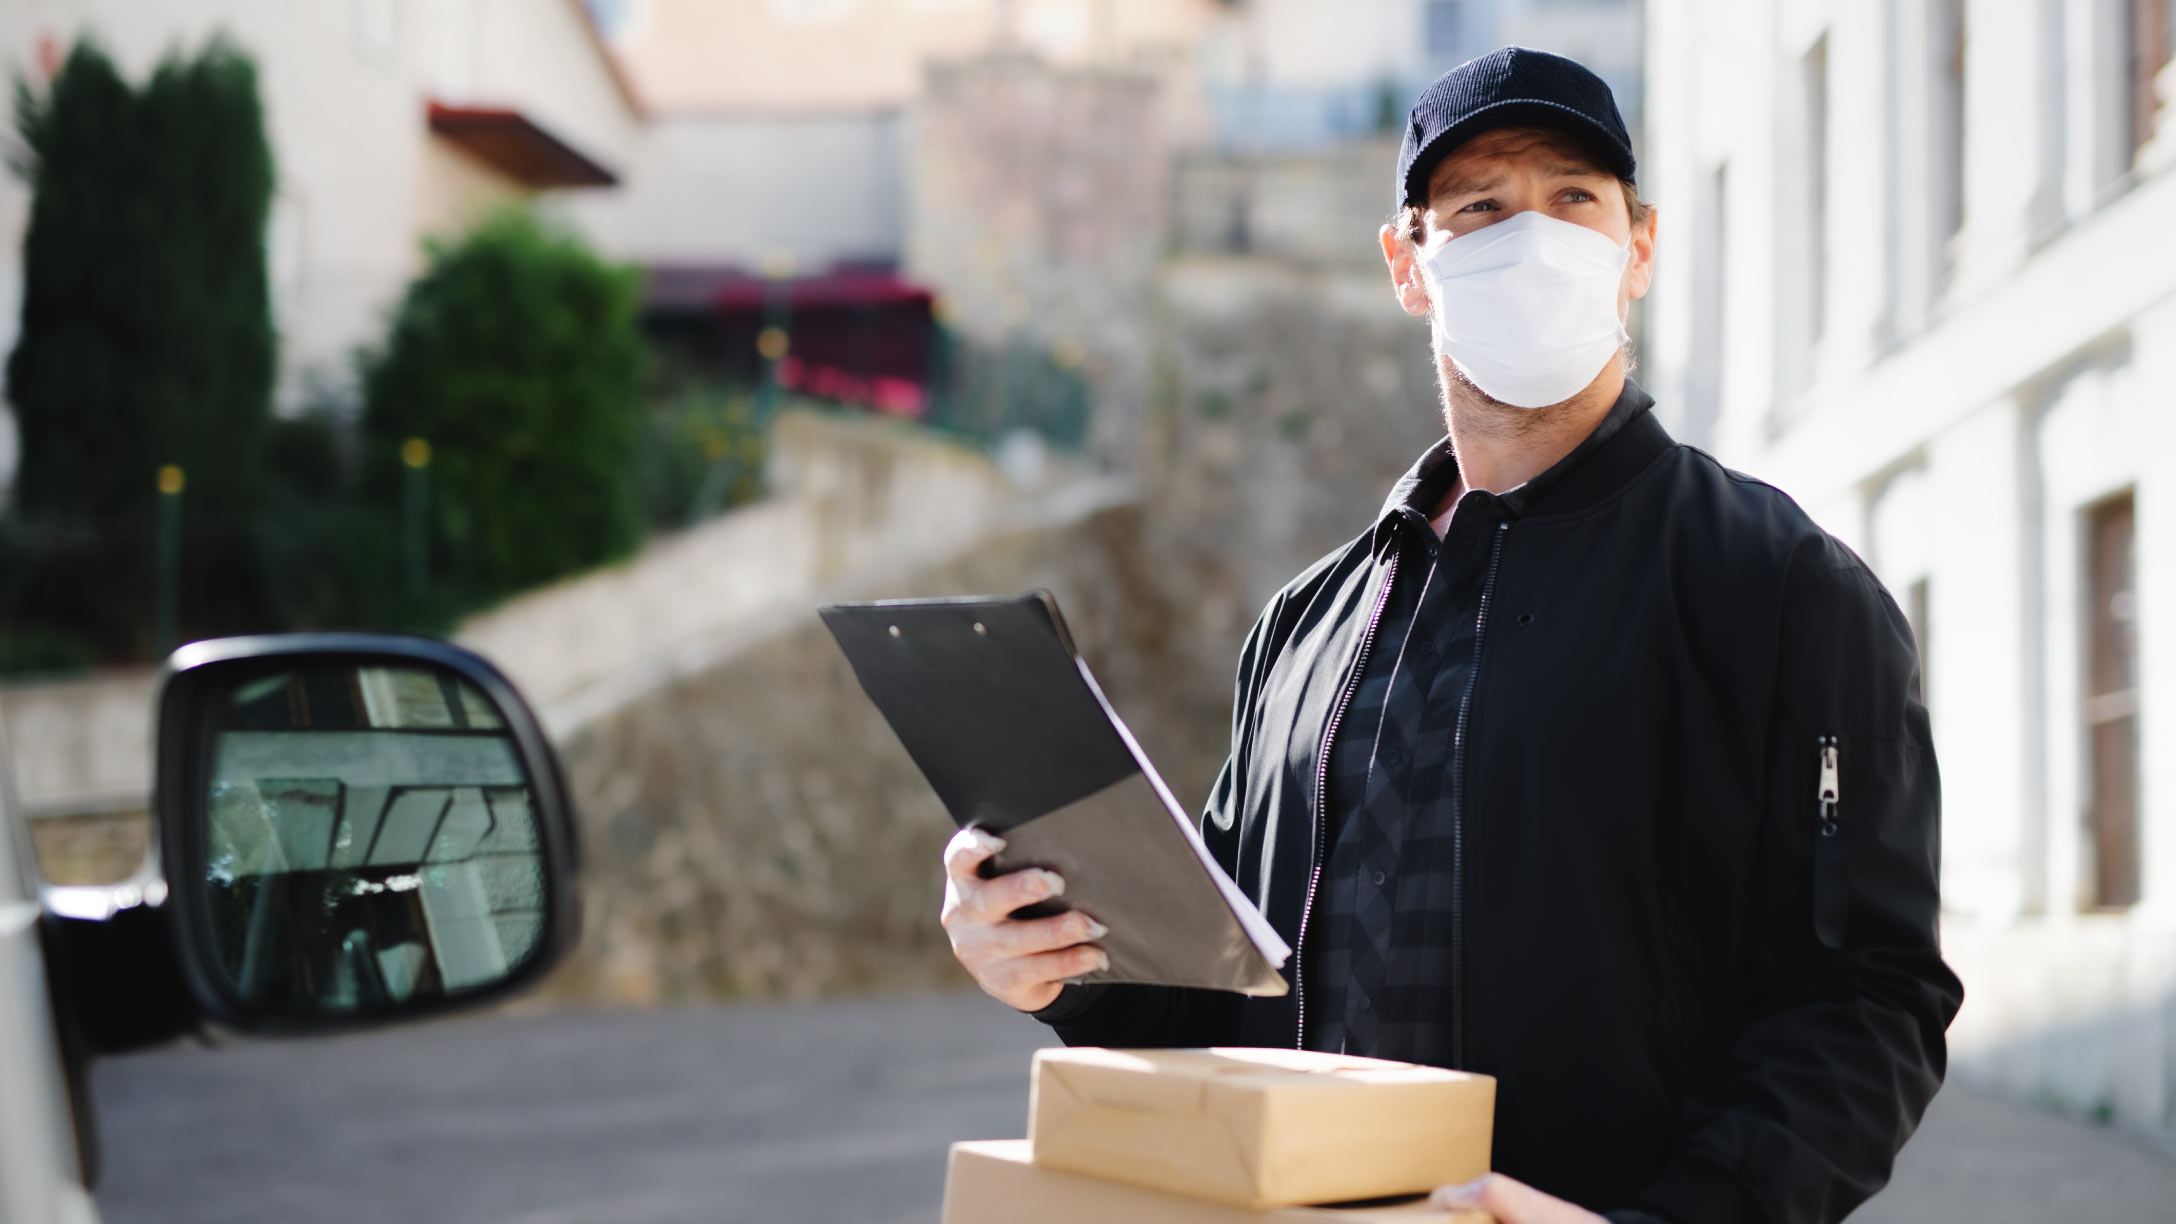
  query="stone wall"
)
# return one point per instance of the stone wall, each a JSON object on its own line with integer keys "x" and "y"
{"x": 1323, "y": 205}
{"x": 1038, "y": 194}
{"x": 848, "y": 495}
{"x": 80, "y": 746}
{"x": 756, "y": 829}
{"x": 1289, "y": 397}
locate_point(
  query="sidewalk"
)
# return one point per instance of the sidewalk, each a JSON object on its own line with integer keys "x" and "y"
{"x": 1986, "y": 1161}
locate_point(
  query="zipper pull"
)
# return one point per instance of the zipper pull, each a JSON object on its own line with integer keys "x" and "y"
{"x": 1831, "y": 857}
{"x": 1827, "y": 792}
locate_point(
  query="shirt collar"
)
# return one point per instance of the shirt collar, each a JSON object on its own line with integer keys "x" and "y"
{"x": 1422, "y": 489}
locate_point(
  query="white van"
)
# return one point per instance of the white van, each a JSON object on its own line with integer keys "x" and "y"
{"x": 349, "y": 830}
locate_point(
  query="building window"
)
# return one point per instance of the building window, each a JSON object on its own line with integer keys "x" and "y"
{"x": 1945, "y": 196}
{"x": 377, "y": 29}
{"x": 1814, "y": 75}
{"x": 451, "y": 46}
{"x": 1710, "y": 313}
{"x": 2111, "y": 703}
{"x": 2149, "y": 51}
{"x": 1915, "y": 611}
{"x": 1440, "y": 28}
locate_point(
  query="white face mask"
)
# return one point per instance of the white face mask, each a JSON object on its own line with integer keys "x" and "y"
{"x": 1527, "y": 307}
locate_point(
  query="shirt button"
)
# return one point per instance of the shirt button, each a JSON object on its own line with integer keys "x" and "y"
{"x": 1379, "y": 878}
{"x": 1392, "y": 754}
{"x": 1363, "y": 1004}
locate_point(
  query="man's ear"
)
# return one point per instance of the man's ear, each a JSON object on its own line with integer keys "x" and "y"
{"x": 1405, "y": 278}
{"x": 1639, "y": 271}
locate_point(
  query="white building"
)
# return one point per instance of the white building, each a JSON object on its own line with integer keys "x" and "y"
{"x": 781, "y": 131}
{"x": 1298, "y": 74}
{"x": 1917, "y": 271}
{"x": 390, "y": 121}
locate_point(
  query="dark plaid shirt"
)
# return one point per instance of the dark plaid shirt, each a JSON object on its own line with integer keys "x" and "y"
{"x": 1378, "y": 969}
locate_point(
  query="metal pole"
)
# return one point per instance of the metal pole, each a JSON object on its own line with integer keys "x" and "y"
{"x": 776, "y": 338}
{"x": 415, "y": 456}
{"x": 171, "y": 482}
{"x": 773, "y": 343}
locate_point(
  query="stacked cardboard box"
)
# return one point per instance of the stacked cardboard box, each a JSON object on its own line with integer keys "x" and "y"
{"x": 1227, "y": 1135}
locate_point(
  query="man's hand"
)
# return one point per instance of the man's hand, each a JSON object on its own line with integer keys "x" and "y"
{"x": 1510, "y": 1202}
{"x": 1024, "y": 962}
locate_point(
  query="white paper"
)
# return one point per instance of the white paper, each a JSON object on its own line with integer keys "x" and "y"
{"x": 1266, "y": 940}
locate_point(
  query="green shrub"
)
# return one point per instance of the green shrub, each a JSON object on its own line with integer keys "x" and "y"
{"x": 515, "y": 357}
{"x": 984, "y": 392}
{"x": 146, "y": 334}
{"x": 332, "y": 558}
{"x": 702, "y": 452}
{"x": 42, "y": 654}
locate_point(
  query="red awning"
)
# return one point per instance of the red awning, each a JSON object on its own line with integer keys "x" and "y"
{"x": 512, "y": 143}
{"x": 719, "y": 288}
{"x": 836, "y": 288}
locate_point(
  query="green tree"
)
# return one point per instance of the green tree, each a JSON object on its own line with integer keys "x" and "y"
{"x": 146, "y": 334}
{"x": 516, "y": 358}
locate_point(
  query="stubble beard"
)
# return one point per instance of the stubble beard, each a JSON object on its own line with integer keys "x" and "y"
{"x": 1471, "y": 412}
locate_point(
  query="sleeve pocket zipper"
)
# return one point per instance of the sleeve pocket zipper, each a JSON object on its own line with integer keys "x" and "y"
{"x": 1831, "y": 857}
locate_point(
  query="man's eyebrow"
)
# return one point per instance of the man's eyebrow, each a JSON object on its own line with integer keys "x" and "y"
{"x": 1472, "y": 182}
{"x": 1486, "y": 181}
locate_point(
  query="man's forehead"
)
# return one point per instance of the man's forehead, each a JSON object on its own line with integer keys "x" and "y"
{"x": 1481, "y": 157}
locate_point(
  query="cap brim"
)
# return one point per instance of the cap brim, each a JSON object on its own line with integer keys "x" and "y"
{"x": 1514, "y": 112}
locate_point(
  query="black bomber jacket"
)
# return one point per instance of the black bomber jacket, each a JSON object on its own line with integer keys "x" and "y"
{"x": 1706, "y": 992}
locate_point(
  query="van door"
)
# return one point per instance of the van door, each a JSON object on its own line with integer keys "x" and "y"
{"x": 39, "y": 1175}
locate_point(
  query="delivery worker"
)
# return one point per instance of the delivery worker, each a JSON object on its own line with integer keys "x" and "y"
{"x": 1591, "y": 764}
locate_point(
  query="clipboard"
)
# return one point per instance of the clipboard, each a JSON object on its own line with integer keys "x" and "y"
{"x": 994, "y": 705}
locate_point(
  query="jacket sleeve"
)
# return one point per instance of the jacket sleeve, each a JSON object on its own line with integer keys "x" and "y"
{"x": 1843, "y": 997}
{"x": 1170, "y": 1016}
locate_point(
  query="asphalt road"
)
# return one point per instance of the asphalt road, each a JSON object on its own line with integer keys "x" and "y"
{"x": 821, "y": 1113}
{"x": 774, "y": 1113}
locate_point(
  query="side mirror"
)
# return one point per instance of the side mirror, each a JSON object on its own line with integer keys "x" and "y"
{"x": 356, "y": 828}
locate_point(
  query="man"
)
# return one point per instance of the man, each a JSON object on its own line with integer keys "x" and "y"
{"x": 1591, "y": 765}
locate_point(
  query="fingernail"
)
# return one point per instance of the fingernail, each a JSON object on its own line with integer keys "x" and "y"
{"x": 1055, "y": 882}
{"x": 1097, "y": 930}
{"x": 1103, "y": 960}
{"x": 1462, "y": 1196}
{"x": 987, "y": 842}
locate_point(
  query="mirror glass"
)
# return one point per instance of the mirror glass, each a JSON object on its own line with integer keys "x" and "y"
{"x": 370, "y": 840}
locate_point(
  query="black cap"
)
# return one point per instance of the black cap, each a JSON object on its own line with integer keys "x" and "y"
{"x": 1509, "y": 87}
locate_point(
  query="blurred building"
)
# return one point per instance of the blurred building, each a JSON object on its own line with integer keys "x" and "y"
{"x": 848, "y": 171}
{"x": 780, "y": 127}
{"x": 1916, "y": 271}
{"x": 1297, "y": 74}
{"x": 837, "y": 165}
{"x": 1295, "y": 90}
{"x": 1018, "y": 163}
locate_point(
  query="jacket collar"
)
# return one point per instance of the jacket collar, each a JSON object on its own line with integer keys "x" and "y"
{"x": 1625, "y": 442}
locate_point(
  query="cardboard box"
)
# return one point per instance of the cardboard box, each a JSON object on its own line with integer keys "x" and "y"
{"x": 996, "y": 1181}
{"x": 1260, "y": 1128}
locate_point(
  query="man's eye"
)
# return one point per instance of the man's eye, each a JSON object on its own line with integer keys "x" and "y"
{"x": 1579, "y": 195}
{"x": 1480, "y": 206}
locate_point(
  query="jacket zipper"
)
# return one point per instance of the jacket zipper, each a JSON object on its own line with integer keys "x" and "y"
{"x": 1458, "y": 810}
{"x": 1826, "y": 792}
{"x": 1322, "y": 782}
{"x": 1831, "y": 862}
